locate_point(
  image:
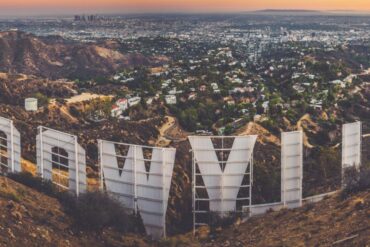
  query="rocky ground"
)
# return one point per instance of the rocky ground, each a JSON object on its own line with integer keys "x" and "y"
{"x": 332, "y": 222}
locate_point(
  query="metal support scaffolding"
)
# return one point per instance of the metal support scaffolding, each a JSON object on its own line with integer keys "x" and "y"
{"x": 221, "y": 185}
{"x": 61, "y": 160}
{"x": 10, "y": 147}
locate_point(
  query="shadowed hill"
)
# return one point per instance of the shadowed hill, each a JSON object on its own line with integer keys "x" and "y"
{"x": 58, "y": 58}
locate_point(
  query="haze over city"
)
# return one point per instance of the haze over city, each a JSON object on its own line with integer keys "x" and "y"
{"x": 35, "y": 7}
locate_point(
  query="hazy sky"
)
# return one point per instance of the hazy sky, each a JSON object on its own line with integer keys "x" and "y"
{"x": 98, "y": 6}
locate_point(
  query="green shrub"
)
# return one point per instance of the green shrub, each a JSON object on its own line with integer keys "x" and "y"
{"x": 355, "y": 180}
{"x": 91, "y": 211}
{"x": 96, "y": 210}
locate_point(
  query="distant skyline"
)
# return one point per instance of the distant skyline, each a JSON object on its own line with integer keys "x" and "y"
{"x": 45, "y": 7}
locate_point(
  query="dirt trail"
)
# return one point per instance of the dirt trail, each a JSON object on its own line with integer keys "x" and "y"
{"x": 86, "y": 97}
{"x": 64, "y": 111}
{"x": 300, "y": 126}
{"x": 263, "y": 134}
{"x": 162, "y": 140}
{"x": 170, "y": 131}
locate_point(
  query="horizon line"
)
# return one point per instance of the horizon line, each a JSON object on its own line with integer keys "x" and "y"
{"x": 71, "y": 13}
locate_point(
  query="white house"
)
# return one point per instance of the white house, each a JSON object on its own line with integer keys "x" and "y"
{"x": 134, "y": 101}
{"x": 122, "y": 104}
{"x": 265, "y": 106}
{"x": 338, "y": 82}
{"x": 316, "y": 104}
{"x": 116, "y": 111}
{"x": 149, "y": 101}
{"x": 170, "y": 99}
{"x": 214, "y": 86}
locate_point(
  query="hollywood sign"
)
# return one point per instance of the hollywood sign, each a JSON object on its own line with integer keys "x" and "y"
{"x": 222, "y": 170}
{"x": 140, "y": 176}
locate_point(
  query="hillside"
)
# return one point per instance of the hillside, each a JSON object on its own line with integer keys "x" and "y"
{"x": 331, "y": 222}
{"x": 266, "y": 187}
{"x": 30, "y": 218}
{"x": 59, "y": 58}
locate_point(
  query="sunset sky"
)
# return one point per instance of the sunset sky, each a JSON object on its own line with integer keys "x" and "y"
{"x": 99, "y": 6}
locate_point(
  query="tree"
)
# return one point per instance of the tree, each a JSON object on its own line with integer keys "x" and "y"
{"x": 228, "y": 129}
{"x": 41, "y": 98}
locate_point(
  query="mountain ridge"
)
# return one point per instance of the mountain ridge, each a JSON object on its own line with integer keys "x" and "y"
{"x": 59, "y": 58}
